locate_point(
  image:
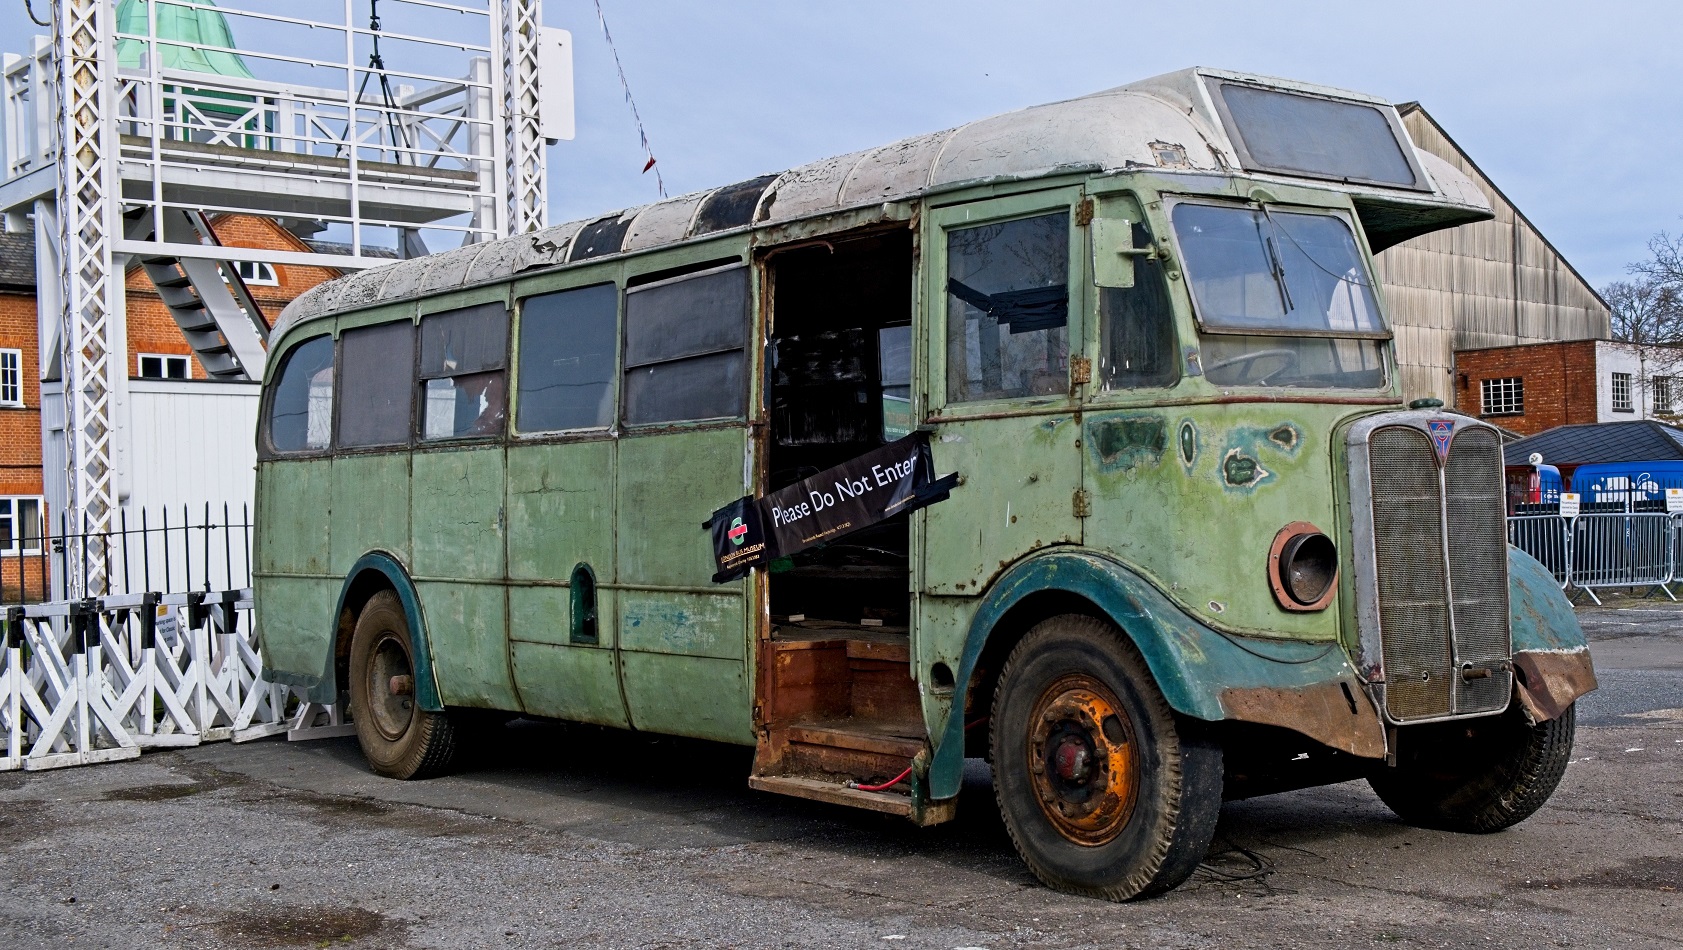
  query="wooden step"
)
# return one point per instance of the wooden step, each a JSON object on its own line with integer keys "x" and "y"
{"x": 880, "y": 741}
{"x": 821, "y": 790}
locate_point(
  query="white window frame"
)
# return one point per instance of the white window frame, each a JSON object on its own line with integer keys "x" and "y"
{"x": 1663, "y": 394}
{"x": 11, "y": 513}
{"x": 255, "y": 273}
{"x": 1620, "y": 392}
{"x": 11, "y": 378}
{"x": 186, "y": 363}
{"x": 1502, "y": 396}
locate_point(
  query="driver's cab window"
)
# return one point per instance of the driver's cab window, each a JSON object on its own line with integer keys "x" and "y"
{"x": 1138, "y": 350}
{"x": 1008, "y": 308}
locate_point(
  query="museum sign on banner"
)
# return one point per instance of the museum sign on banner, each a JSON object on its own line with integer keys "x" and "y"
{"x": 876, "y": 486}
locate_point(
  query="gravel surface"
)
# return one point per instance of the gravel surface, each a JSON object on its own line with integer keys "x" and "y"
{"x": 559, "y": 836}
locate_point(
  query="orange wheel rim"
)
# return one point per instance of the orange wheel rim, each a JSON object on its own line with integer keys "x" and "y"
{"x": 1083, "y": 759}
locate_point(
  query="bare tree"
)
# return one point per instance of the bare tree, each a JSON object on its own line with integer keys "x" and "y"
{"x": 1665, "y": 267}
{"x": 1646, "y": 310}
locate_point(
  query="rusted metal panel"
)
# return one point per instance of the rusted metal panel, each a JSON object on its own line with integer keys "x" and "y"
{"x": 1550, "y": 681}
{"x": 1337, "y": 713}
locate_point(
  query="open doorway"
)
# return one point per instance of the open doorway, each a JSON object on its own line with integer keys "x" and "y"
{"x": 839, "y": 700}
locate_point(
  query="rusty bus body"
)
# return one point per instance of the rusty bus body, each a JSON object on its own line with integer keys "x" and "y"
{"x": 1198, "y": 547}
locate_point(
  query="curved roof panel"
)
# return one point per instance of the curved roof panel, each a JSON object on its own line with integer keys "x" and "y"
{"x": 1168, "y": 123}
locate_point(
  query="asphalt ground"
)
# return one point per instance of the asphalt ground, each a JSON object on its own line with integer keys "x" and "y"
{"x": 561, "y": 836}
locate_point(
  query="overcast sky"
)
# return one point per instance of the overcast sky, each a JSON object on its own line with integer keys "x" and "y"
{"x": 1572, "y": 109}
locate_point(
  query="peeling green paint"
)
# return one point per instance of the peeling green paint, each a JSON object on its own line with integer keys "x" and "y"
{"x": 1188, "y": 445}
{"x": 1286, "y": 436}
{"x": 1120, "y": 443}
{"x": 1241, "y": 471}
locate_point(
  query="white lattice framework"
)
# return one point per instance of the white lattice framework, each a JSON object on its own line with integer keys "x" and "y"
{"x": 86, "y": 216}
{"x": 467, "y": 151}
{"x": 525, "y": 173}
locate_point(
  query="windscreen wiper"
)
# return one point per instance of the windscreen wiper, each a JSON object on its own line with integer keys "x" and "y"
{"x": 1275, "y": 268}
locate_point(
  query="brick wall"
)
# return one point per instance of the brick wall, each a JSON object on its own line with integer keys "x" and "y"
{"x": 1559, "y": 383}
{"x": 20, "y": 429}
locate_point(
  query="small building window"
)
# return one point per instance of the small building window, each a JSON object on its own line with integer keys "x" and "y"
{"x": 1621, "y": 392}
{"x": 160, "y": 366}
{"x": 20, "y": 525}
{"x": 11, "y": 378}
{"x": 1502, "y": 397}
{"x": 257, "y": 273}
{"x": 1662, "y": 393}
{"x": 463, "y": 353}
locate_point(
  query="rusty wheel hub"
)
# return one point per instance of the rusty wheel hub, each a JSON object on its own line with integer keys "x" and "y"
{"x": 1083, "y": 759}
{"x": 391, "y": 687}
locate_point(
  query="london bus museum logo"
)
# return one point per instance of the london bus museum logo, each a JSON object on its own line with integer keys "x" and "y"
{"x": 738, "y": 531}
{"x": 1441, "y": 430}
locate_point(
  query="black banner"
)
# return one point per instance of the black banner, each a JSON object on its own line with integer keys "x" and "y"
{"x": 875, "y": 486}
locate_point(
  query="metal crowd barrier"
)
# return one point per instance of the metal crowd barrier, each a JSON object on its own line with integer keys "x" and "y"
{"x": 1604, "y": 549}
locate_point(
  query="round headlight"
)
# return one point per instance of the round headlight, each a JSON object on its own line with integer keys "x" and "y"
{"x": 1302, "y": 567}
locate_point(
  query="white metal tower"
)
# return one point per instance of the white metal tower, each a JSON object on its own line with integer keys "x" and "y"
{"x": 140, "y": 119}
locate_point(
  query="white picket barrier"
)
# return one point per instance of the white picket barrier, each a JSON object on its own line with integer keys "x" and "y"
{"x": 83, "y": 682}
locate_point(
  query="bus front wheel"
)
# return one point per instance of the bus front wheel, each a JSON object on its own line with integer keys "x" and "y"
{"x": 1103, "y": 790}
{"x": 1477, "y": 776}
{"x": 398, "y": 737}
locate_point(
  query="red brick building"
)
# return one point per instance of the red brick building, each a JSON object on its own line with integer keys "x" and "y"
{"x": 1531, "y": 388}
{"x": 156, "y": 352}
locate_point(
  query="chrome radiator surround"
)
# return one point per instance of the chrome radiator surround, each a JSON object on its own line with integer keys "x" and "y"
{"x": 1429, "y": 565}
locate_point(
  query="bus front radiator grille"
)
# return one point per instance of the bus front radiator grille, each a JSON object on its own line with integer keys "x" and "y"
{"x": 1440, "y": 660}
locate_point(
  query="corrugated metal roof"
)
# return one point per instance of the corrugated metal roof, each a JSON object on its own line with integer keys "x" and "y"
{"x": 17, "y": 261}
{"x": 1167, "y": 124}
{"x": 1636, "y": 441}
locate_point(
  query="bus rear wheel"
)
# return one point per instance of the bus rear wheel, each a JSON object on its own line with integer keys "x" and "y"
{"x": 1104, "y": 792}
{"x": 1479, "y": 777}
{"x": 398, "y": 737}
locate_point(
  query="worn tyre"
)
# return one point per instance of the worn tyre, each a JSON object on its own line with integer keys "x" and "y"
{"x": 398, "y": 737}
{"x": 1105, "y": 792}
{"x": 1481, "y": 777}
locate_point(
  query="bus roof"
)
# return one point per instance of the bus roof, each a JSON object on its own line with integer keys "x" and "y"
{"x": 1192, "y": 122}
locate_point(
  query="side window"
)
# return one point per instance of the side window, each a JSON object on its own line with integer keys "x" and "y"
{"x": 567, "y": 359}
{"x": 301, "y": 406}
{"x": 375, "y": 364}
{"x": 1008, "y": 309}
{"x": 463, "y": 353}
{"x": 1138, "y": 327}
{"x": 684, "y": 342}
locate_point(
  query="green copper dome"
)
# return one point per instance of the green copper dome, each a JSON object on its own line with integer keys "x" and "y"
{"x": 187, "y": 25}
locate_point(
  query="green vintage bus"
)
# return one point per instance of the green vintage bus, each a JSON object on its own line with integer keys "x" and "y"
{"x": 1199, "y": 547}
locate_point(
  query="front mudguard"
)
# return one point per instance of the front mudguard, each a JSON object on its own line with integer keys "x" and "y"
{"x": 1307, "y": 686}
{"x": 1551, "y": 658}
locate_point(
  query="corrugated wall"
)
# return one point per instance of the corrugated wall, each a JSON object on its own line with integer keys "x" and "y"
{"x": 1494, "y": 283}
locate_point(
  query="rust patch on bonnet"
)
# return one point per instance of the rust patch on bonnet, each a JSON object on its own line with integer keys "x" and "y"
{"x": 1548, "y": 681}
{"x": 1336, "y": 714}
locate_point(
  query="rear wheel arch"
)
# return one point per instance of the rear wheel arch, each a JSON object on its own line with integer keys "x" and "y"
{"x": 372, "y": 573}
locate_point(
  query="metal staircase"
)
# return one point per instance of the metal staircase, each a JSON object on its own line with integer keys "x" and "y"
{"x": 209, "y": 301}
